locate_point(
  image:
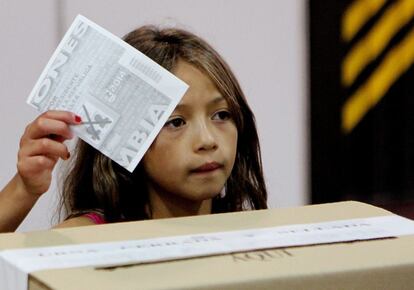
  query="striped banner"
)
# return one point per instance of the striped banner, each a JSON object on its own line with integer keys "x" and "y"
{"x": 368, "y": 47}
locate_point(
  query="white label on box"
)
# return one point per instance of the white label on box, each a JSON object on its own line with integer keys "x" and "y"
{"x": 123, "y": 97}
{"x": 15, "y": 265}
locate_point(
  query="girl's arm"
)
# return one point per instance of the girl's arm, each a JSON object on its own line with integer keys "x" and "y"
{"x": 15, "y": 204}
{"x": 41, "y": 146}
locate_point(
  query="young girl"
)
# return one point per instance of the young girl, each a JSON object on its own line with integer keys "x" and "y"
{"x": 206, "y": 159}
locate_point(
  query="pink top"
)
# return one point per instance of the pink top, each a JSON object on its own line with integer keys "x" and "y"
{"x": 97, "y": 218}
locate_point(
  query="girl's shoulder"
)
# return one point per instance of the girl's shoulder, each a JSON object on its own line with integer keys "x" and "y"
{"x": 84, "y": 218}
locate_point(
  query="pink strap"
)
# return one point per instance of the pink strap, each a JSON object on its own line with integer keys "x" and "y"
{"x": 95, "y": 217}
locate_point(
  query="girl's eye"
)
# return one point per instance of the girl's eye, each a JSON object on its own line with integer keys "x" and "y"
{"x": 222, "y": 115}
{"x": 175, "y": 123}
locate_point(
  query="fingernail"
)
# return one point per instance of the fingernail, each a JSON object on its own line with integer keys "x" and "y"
{"x": 68, "y": 156}
{"x": 78, "y": 119}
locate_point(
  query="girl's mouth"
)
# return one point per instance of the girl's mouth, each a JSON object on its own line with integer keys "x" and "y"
{"x": 207, "y": 167}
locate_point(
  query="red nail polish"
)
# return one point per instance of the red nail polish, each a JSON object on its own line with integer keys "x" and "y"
{"x": 68, "y": 156}
{"x": 78, "y": 119}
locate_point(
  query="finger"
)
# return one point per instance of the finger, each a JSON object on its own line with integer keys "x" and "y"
{"x": 52, "y": 123}
{"x": 65, "y": 116}
{"x": 43, "y": 147}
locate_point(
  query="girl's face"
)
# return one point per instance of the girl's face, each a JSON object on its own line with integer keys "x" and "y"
{"x": 193, "y": 155}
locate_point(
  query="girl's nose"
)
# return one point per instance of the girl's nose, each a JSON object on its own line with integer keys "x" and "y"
{"x": 204, "y": 138}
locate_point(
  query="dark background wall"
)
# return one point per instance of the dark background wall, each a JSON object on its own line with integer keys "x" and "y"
{"x": 374, "y": 160}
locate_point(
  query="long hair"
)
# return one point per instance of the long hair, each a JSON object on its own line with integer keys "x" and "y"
{"x": 94, "y": 182}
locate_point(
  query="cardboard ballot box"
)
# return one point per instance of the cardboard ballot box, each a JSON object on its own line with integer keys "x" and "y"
{"x": 386, "y": 263}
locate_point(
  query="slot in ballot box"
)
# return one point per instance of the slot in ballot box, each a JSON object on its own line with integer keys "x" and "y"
{"x": 334, "y": 246}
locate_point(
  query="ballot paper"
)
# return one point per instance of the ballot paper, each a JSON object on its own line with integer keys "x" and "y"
{"x": 15, "y": 265}
{"x": 123, "y": 97}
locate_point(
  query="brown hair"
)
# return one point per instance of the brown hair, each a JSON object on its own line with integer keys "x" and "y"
{"x": 95, "y": 182}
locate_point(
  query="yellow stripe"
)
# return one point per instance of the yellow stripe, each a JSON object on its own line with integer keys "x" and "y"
{"x": 371, "y": 46}
{"x": 357, "y": 14}
{"x": 396, "y": 62}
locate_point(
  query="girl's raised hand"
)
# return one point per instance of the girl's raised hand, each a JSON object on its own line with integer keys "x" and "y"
{"x": 41, "y": 146}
